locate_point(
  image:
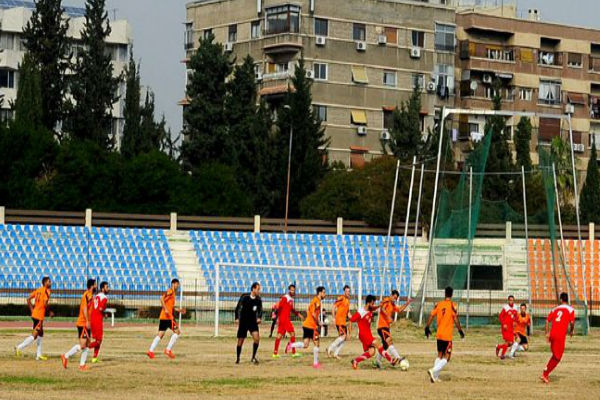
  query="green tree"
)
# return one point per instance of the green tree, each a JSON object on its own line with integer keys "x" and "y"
{"x": 205, "y": 120}
{"x": 152, "y": 133}
{"x": 560, "y": 151}
{"x": 28, "y": 106}
{"x": 93, "y": 87}
{"x": 590, "y": 193}
{"x": 132, "y": 110}
{"x": 309, "y": 143}
{"x": 522, "y": 143}
{"x": 407, "y": 139}
{"x": 46, "y": 41}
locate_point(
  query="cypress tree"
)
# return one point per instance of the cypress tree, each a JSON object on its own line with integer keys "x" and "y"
{"x": 522, "y": 143}
{"x": 132, "y": 110}
{"x": 407, "y": 140}
{"x": 590, "y": 193}
{"x": 46, "y": 41}
{"x": 28, "y": 106}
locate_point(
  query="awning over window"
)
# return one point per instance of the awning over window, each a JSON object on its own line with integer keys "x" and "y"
{"x": 357, "y": 160}
{"x": 576, "y": 98}
{"x": 549, "y": 129}
{"x": 359, "y": 75}
{"x": 359, "y": 117}
{"x": 184, "y": 102}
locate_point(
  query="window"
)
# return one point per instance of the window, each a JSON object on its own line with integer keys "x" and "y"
{"x": 188, "y": 36}
{"x": 483, "y": 277}
{"x": 549, "y": 128}
{"x": 389, "y": 78}
{"x": 6, "y": 115}
{"x": 444, "y": 78}
{"x": 320, "y": 112}
{"x": 7, "y": 41}
{"x": 549, "y": 93}
{"x": 206, "y": 34}
{"x": 575, "y": 60}
{"x": 473, "y": 127}
{"x": 123, "y": 50}
{"x": 525, "y": 94}
{"x": 359, "y": 75}
{"x": 418, "y": 39}
{"x": 321, "y": 27}
{"x": 255, "y": 29}
{"x": 7, "y": 78}
{"x": 320, "y": 71}
{"x": 232, "y": 35}
{"x": 358, "y": 117}
{"x": 418, "y": 81}
{"x": 283, "y": 19}
{"x": 359, "y": 32}
{"x": 388, "y": 119}
{"x": 391, "y": 35}
{"x": 444, "y": 37}
{"x": 548, "y": 58}
{"x": 500, "y": 54}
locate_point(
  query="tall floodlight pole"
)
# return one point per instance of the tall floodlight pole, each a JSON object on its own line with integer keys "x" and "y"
{"x": 389, "y": 233}
{"x": 406, "y": 221}
{"x": 289, "y": 169}
{"x": 411, "y": 264}
{"x": 527, "y": 240}
{"x": 580, "y": 246}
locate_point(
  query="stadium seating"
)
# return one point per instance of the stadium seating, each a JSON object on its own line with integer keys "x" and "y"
{"x": 303, "y": 250}
{"x": 130, "y": 259}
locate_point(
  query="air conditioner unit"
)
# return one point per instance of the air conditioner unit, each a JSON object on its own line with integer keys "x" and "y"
{"x": 228, "y": 47}
{"x": 310, "y": 74}
{"x": 361, "y": 130}
{"x": 258, "y": 76}
{"x": 579, "y": 147}
{"x": 487, "y": 78}
{"x": 382, "y": 39}
{"x": 321, "y": 40}
{"x": 361, "y": 46}
{"x": 385, "y": 135}
{"x": 431, "y": 87}
{"x": 570, "y": 109}
{"x": 415, "y": 52}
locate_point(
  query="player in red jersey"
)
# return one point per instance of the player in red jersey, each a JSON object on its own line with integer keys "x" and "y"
{"x": 98, "y": 308}
{"x": 508, "y": 317}
{"x": 363, "y": 319}
{"x": 284, "y": 308}
{"x": 562, "y": 319}
{"x": 83, "y": 327}
{"x": 41, "y": 298}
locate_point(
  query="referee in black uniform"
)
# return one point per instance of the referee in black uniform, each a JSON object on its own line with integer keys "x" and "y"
{"x": 248, "y": 314}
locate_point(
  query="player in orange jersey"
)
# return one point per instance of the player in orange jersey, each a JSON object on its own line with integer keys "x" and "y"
{"x": 341, "y": 310}
{"x": 387, "y": 309}
{"x": 311, "y": 327}
{"x": 447, "y": 317}
{"x": 38, "y": 309}
{"x": 83, "y": 324}
{"x": 522, "y": 330}
{"x": 167, "y": 320}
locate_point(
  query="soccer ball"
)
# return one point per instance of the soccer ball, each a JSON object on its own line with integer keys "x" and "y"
{"x": 404, "y": 365}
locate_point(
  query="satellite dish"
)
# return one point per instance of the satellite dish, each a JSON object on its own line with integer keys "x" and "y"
{"x": 473, "y": 86}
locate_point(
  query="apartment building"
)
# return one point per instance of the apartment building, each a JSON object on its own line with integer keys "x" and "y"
{"x": 14, "y": 15}
{"x": 364, "y": 56}
{"x": 543, "y": 67}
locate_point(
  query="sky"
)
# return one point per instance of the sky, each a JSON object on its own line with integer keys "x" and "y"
{"x": 157, "y": 27}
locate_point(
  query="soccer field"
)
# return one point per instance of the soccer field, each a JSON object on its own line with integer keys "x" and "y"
{"x": 205, "y": 369}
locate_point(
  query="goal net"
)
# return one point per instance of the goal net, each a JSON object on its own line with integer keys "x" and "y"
{"x": 232, "y": 280}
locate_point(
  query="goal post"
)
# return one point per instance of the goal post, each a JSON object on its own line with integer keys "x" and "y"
{"x": 275, "y": 279}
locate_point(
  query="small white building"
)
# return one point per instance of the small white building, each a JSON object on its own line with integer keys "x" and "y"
{"x": 14, "y": 15}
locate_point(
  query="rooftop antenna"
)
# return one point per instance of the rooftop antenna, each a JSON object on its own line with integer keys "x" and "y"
{"x": 114, "y": 13}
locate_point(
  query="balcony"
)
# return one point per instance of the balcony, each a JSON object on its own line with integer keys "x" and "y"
{"x": 594, "y": 63}
{"x": 282, "y": 43}
{"x": 595, "y": 107}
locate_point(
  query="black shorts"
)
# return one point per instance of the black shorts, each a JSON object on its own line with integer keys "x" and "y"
{"x": 245, "y": 327}
{"x": 38, "y": 326}
{"x": 523, "y": 339}
{"x": 384, "y": 334}
{"x": 165, "y": 324}
{"x": 444, "y": 347}
{"x": 342, "y": 330}
{"x": 82, "y": 332}
{"x": 308, "y": 333}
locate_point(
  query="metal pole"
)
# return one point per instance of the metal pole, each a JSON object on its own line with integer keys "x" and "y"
{"x": 410, "y": 192}
{"x": 287, "y": 194}
{"x": 576, "y": 190}
{"x": 196, "y": 300}
{"x": 431, "y": 227}
{"x": 389, "y": 233}
{"x": 560, "y": 227}
{"x": 527, "y": 242}
{"x": 414, "y": 246}
{"x": 217, "y": 267}
{"x": 180, "y": 303}
{"x": 469, "y": 264}
{"x": 359, "y": 288}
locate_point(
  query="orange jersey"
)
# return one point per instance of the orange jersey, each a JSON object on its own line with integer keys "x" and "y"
{"x": 387, "y": 309}
{"x": 86, "y": 304}
{"x": 169, "y": 300}
{"x": 342, "y": 306}
{"x": 445, "y": 311}
{"x": 522, "y": 323}
{"x": 41, "y": 297}
{"x": 314, "y": 310}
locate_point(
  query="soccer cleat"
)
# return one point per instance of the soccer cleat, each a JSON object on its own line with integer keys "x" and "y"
{"x": 296, "y": 355}
{"x": 396, "y": 361}
{"x": 354, "y": 364}
{"x": 18, "y": 352}
{"x": 497, "y": 350}
{"x": 275, "y": 356}
{"x": 431, "y": 375}
{"x": 64, "y": 361}
{"x": 317, "y": 366}
{"x": 237, "y": 361}
{"x": 95, "y": 360}
{"x": 41, "y": 358}
{"x": 150, "y": 355}
{"x": 544, "y": 379}
{"x": 169, "y": 354}
{"x": 254, "y": 361}
{"x": 84, "y": 368}
{"x": 502, "y": 357}
{"x": 288, "y": 347}
{"x": 337, "y": 357}
{"x": 329, "y": 353}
